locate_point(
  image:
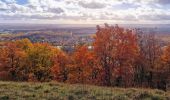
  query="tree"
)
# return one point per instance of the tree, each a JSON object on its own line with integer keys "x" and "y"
{"x": 14, "y": 59}
{"x": 84, "y": 68}
{"x": 148, "y": 59}
{"x": 116, "y": 49}
{"x": 60, "y": 68}
{"x": 24, "y": 44}
{"x": 39, "y": 61}
{"x": 166, "y": 59}
{"x": 4, "y": 75}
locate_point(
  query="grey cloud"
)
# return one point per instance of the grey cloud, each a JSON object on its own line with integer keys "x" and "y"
{"x": 126, "y": 17}
{"x": 56, "y": 10}
{"x": 32, "y": 6}
{"x": 11, "y": 16}
{"x": 155, "y": 17}
{"x": 3, "y": 6}
{"x": 91, "y": 5}
{"x": 22, "y": 16}
{"x": 164, "y": 17}
{"x": 14, "y": 16}
{"x": 165, "y": 2}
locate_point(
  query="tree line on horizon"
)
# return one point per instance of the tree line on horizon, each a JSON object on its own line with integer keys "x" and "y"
{"x": 119, "y": 57}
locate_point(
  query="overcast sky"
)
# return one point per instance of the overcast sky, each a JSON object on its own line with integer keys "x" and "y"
{"x": 85, "y": 11}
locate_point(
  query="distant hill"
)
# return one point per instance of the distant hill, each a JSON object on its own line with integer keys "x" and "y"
{"x": 60, "y": 91}
{"x": 77, "y": 28}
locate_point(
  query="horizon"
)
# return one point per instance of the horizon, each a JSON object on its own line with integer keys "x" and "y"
{"x": 54, "y": 25}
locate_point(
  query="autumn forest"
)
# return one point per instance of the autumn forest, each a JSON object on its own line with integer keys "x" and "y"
{"x": 119, "y": 57}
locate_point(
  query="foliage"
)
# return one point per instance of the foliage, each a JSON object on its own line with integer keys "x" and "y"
{"x": 116, "y": 49}
{"x": 84, "y": 68}
{"x": 118, "y": 57}
{"x": 61, "y": 65}
{"x": 23, "y": 60}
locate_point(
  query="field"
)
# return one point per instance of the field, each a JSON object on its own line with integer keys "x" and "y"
{"x": 60, "y": 91}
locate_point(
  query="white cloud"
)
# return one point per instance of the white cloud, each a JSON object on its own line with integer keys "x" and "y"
{"x": 87, "y": 10}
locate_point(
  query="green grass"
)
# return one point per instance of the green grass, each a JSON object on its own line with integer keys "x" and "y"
{"x": 60, "y": 91}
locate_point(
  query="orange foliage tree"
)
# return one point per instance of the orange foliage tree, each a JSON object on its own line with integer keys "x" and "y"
{"x": 22, "y": 60}
{"x": 60, "y": 69}
{"x": 84, "y": 68}
{"x": 14, "y": 61}
{"x": 166, "y": 59}
{"x": 116, "y": 49}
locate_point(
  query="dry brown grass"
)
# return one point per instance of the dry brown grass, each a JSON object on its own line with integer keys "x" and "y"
{"x": 60, "y": 91}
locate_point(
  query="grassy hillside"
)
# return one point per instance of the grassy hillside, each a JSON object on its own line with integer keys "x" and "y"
{"x": 58, "y": 91}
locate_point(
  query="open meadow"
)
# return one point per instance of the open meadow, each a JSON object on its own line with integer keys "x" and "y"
{"x": 61, "y": 91}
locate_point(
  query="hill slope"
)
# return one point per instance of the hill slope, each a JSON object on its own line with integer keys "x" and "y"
{"x": 59, "y": 91}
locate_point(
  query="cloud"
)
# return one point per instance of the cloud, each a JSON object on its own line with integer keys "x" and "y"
{"x": 92, "y": 4}
{"x": 164, "y": 2}
{"x": 155, "y": 17}
{"x": 55, "y": 10}
{"x": 9, "y": 1}
{"x": 3, "y": 6}
{"x": 86, "y": 10}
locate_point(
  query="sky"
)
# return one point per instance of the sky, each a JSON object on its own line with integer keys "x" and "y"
{"x": 85, "y": 11}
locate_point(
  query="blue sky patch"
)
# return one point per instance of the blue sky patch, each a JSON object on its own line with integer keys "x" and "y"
{"x": 22, "y": 2}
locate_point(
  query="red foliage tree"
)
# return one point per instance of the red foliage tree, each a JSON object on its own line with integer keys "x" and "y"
{"x": 84, "y": 68}
{"x": 116, "y": 49}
